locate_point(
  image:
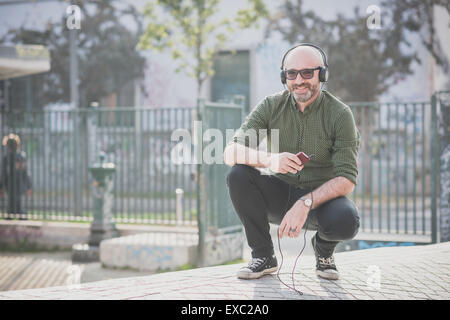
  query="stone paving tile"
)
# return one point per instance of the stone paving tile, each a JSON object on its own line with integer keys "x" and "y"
{"x": 405, "y": 273}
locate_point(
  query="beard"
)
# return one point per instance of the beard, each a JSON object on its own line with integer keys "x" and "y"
{"x": 303, "y": 97}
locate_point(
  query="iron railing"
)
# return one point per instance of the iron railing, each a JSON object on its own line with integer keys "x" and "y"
{"x": 395, "y": 194}
{"x": 395, "y": 183}
{"x": 61, "y": 145}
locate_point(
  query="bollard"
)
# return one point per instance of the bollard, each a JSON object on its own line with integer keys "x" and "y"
{"x": 179, "y": 199}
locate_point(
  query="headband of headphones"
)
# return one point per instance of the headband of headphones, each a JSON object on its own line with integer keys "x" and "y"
{"x": 323, "y": 71}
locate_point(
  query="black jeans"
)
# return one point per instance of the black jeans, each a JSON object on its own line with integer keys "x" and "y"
{"x": 259, "y": 199}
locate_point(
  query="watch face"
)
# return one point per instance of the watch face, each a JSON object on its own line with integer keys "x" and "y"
{"x": 308, "y": 202}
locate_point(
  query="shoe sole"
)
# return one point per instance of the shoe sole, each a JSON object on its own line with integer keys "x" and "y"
{"x": 327, "y": 276}
{"x": 255, "y": 275}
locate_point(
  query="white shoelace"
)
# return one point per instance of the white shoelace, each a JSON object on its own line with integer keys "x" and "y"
{"x": 255, "y": 262}
{"x": 327, "y": 261}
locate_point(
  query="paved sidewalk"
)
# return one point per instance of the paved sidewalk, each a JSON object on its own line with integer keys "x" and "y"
{"x": 419, "y": 272}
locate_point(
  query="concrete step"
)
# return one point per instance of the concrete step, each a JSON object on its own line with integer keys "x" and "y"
{"x": 150, "y": 251}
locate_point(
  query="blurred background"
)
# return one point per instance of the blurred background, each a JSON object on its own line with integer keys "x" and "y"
{"x": 84, "y": 83}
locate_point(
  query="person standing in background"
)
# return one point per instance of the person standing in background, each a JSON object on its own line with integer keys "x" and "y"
{"x": 14, "y": 179}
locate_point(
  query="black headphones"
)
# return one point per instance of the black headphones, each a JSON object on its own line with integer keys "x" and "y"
{"x": 323, "y": 71}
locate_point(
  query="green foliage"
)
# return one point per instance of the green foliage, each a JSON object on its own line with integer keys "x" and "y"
{"x": 417, "y": 16}
{"x": 363, "y": 63}
{"x": 193, "y": 33}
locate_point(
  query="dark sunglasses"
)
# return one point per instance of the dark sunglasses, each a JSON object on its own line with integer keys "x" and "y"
{"x": 306, "y": 74}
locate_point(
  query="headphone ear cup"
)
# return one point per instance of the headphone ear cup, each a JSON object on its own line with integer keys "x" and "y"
{"x": 283, "y": 77}
{"x": 323, "y": 74}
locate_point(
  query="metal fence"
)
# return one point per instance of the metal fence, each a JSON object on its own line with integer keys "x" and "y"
{"x": 61, "y": 145}
{"x": 396, "y": 191}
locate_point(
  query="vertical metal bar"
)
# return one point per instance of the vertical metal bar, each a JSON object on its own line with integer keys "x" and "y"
{"x": 163, "y": 167}
{"x": 371, "y": 165}
{"x": 151, "y": 179}
{"x": 129, "y": 211}
{"x": 112, "y": 128}
{"x": 57, "y": 164}
{"x": 397, "y": 134}
{"x": 45, "y": 174}
{"x": 183, "y": 171}
{"x": 121, "y": 131}
{"x": 63, "y": 164}
{"x": 137, "y": 156}
{"x": 414, "y": 182}
{"x": 160, "y": 192}
{"x": 34, "y": 136}
{"x": 434, "y": 167}
{"x": 192, "y": 183}
{"x": 200, "y": 213}
{"x": 69, "y": 155}
{"x": 388, "y": 169}
{"x": 148, "y": 144}
{"x": 170, "y": 178}
{"x": 36, "y": 169}
{"x": 29, "y": 126}
{"x": 380, "y": 216}
{"x": 423, "y": 168}
{"x": 142, "y": 167}
{"x": 77, "y": 167}
{"x": 51, "y": 176}
{"x": 176, "y": 186}
{"x": 159, "y": 171}
{"x": 139, "y": 164}
{"x": 132, "y": 169}
{"x": 55, "y": 154}
{"x": 156, "y": 184}
{"x": 406, "y": 166}
{"x": 364, "y": 157}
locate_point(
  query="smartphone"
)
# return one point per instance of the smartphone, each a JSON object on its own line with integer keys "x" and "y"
{"x": 303, "y": 157}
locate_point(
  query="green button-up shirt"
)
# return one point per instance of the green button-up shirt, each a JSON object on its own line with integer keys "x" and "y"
{"x": 326, "y": 129}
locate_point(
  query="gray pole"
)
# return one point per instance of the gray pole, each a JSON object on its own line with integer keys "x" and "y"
{"x": 444, "y": 153}
{"x": 75, "y": 101}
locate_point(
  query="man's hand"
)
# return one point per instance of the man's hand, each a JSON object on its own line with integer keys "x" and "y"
{"x": 284, "y": 162}
{"x": 293, "y": 221}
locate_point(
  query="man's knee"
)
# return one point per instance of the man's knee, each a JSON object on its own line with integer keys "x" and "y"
{"x": 349, "y": 223}
{"x": 344, "y": 221}
{"x": 238, "y": 175}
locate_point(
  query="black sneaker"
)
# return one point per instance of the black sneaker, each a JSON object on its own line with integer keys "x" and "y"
{"x": 325, "y": 266}
{"x": 257, "y": 267}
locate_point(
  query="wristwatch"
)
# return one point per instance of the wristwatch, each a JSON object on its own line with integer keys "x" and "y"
{"x": 306, "y": 201}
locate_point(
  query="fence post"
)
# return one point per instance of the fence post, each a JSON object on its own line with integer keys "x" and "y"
{"x": 179, "y": 194}
{"x": 201, "y": 200}
{"x": 434, "y": 168}
{"x": 444, "y": 162}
